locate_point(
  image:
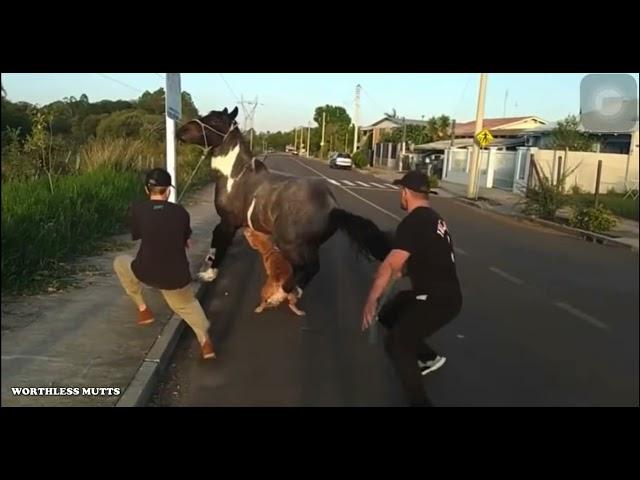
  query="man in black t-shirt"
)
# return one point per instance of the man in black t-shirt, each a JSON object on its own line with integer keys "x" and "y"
{"x": 423, "y": 245}
{"x": 161, "y": 262}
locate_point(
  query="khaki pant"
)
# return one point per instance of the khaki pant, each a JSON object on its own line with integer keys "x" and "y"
{"x": 182, "y": 301}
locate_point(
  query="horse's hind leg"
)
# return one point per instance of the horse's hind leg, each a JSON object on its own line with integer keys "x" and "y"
{"x": 303, "y": 272}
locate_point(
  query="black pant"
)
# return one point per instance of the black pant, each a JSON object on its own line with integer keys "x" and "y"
{"x": 409, "y": 321}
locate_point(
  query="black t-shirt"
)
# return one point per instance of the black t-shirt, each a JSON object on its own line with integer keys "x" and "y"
{"x": 431, "y": 264}
{"x": 164, "y": 228}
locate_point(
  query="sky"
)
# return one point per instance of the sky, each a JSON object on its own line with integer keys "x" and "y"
{"x": 288, "y": 100}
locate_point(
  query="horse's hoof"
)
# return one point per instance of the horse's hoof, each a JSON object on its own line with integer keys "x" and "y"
{"x": 259, "y": 309}
{"x": 208, "y": 275}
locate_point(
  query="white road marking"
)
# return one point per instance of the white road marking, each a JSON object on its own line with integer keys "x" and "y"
{"x": 505, "y": 275}
{"x": 362, "y": 183}
{"x": 391, "y": 186}
{"x": 346, "y": 181}
{"x": 333, "y": 181}
{"x": 587, "y": 318}
{"x": 351, "y": 193}
{"x": 367, "y": 201}
{"x": 377, "y": 185}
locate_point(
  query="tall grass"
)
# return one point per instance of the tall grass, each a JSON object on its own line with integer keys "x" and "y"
{"x": 40, "y": 229}
{"x": 44, "y": 224}
{"x": 623, "y": 207}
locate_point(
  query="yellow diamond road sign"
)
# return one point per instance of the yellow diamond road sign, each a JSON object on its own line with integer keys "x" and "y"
{"x": 484, "y": 138}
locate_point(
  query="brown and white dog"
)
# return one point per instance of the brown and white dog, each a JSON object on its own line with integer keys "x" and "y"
{"x": 277, "y": 268}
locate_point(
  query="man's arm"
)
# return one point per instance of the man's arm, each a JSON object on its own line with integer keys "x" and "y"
{"x": 135, "y": 228}
{"x": 187, "y": 232}
{"x": 390, "y": 268}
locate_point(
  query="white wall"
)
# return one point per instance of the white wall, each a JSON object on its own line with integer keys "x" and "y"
{"x": 614, "y": 168}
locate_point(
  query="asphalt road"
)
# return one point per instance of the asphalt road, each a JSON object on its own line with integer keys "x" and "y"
{"x": 548, "y": 320}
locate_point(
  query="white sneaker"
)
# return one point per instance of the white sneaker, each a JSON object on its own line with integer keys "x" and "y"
{"x": 431, "y": 365}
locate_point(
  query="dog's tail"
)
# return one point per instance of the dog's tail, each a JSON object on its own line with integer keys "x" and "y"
{"x": 365, "y": 235}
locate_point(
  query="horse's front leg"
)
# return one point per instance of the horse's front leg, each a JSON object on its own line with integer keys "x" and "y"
{"x": 221, "y": 239}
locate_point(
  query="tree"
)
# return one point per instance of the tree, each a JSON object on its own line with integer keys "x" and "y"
{"x": 435, "y": 129}
{"x": 438, "y": 128}
{"x": 127, "y": 123}
{"x": 16, "y": 116}
{"x": 155, "y": 103}
{"x": 567, "y": 136}
{"x": 337, "y": 123}
{"x": 89, "y": 125}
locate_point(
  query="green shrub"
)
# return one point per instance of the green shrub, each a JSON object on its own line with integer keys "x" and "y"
{"x": 592, "y": 218}
{"x": 359, "y": 159}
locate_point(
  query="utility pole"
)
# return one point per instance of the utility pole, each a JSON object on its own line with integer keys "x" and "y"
{"x": 324, "y": 117}
{"x": 453, "y": 133}
{"x": 309, "y": 139}
{"x": 346, "y": 141}
{"x": 295, "y": 139}
{"x": 356, "y": 118}
{"x": 404, "y": 135}
{"x": 474, "y": 168}
{"x": 504, "y": 110}
{"x": 249, "y": 109}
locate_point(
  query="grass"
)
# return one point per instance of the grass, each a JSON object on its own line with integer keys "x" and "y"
{"x": 41, "y": 230}
{"x": 622, "y": 207}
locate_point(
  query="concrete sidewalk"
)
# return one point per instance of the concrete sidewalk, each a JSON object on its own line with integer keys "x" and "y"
{"x": 88, "y": 336}
{"x": 508, "y": 203}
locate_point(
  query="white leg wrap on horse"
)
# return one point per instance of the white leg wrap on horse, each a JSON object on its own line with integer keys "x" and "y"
{"x": 209, "y": 275}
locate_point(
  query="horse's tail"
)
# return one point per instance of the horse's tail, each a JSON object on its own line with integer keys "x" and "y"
{"x": 370, "y": 240}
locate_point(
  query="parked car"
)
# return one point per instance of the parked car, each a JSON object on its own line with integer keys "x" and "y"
{"x": 431, "y": 164}
{"x": 341, "y": 160}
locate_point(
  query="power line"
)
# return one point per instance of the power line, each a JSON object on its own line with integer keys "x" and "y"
{"x": 160, "y": 75}
{"x": 464, "y": 91}
{"x": 121, "y": 83}
{"x": 372, "y": 100}
{"x": 229, "y": 87}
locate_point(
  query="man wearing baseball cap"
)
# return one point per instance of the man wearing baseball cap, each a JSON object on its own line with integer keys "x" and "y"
{"x": 161, "y": 262}
{"x": 422, "y": 244}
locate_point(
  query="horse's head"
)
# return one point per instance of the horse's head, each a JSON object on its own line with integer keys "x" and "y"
{"x": 209, "y": 130}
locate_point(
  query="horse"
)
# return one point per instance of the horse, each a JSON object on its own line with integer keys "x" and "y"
{"x": 300, "y": 214}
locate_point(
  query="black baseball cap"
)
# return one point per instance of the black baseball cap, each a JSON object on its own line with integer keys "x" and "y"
{"x": 415, "y": 181}
{"x": 158, "y": 177}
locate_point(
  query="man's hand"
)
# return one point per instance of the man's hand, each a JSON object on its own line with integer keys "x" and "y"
{"x": 388, "y": 270}
{"x": 368, "y": 313}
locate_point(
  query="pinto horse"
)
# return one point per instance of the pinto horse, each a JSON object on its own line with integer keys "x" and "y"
{"x": 300, "y": 214}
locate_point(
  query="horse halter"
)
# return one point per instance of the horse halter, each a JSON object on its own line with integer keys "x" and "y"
{"x": 224, "y": 136}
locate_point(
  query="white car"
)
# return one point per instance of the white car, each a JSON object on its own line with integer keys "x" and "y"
{"x": 341, "y": 160}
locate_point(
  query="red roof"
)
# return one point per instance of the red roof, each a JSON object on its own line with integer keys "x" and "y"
{"x": 468, "y": 128}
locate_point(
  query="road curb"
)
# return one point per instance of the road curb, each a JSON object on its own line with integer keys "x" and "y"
{"x": 139, "y": 391}
{"x": 576, "y": 232}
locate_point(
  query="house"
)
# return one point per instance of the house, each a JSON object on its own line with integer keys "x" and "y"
{"x": 507, "y": 127}
{"x": 604, "y": 142}
{"x": 386, "y": 125}
{"x": 508, "y": 134}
